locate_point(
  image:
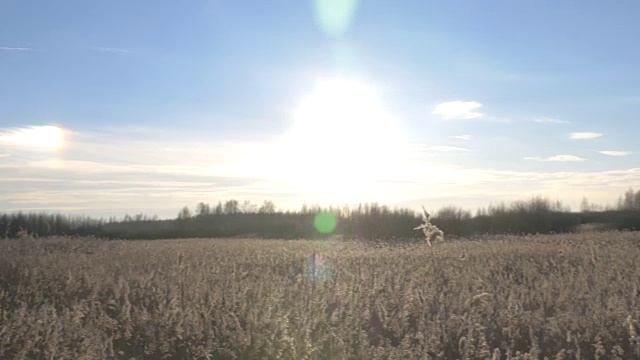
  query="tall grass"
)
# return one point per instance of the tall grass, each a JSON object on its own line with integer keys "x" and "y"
{"x": 556, "y": 296}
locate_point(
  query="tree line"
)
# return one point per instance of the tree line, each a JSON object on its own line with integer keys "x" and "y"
{"x": 365, "y": 221}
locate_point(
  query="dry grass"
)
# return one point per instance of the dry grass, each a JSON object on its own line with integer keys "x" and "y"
{"x": 560, "y": 296}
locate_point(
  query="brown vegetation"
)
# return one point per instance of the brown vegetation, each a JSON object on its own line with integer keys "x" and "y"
{"x": 558, "y": 296}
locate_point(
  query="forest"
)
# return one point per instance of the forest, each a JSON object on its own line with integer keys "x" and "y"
{"x": 364, "y": 221}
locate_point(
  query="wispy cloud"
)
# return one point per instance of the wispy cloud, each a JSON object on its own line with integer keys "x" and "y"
{"x": 111, "y": 49}
{"x": 548, "y": 120}
{"x": 584, "y": 135}
{"x": 4, "y": 155}
{"x": 615, "y": 153}
{"x": 461, "y": 137}
{"x": 446, "y": 148}
{"x": 559, "y": 158}
{"x": 421, "y": 152}
{"x": 458, "y": 110}
{"x": 12, "y": 48}
{"x": 106, "y": 173}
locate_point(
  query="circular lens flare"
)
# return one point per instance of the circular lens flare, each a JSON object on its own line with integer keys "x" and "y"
{"x": 325, "y": 222}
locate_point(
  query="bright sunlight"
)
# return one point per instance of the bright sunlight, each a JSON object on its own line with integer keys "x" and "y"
{"x": 342, "y": 139}
{"x": 44, "y": 138}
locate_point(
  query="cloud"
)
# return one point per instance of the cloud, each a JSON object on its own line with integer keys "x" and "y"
{"x": 584, "y": 135}
{"x": 461, "y": 137}
{"x": 559, "y": 158}
{"x": 110, "y": 49}
{"x": 423, "y": 152}
{"x": 11, "y": 48}
{"x": 458, "y": 110}
{"x": 615, "y": 153}
{"x": 547, "y": 120}
{"x": 106, "y": 174}
{"x": 4, "y": 155}
{"x": 446, "y": 148}
{"x": 39, "y": 138}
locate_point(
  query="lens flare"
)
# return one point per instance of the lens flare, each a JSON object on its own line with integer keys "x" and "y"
{"x": 319, "y": 268}
{"x": 325, "y": 222}
{"x": 335, "y": 16}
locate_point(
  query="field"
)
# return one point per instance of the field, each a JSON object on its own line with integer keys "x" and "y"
{"x": 571, "y": 296}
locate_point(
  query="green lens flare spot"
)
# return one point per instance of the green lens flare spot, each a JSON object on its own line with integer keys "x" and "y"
{"x": 325, "y": 222}
{"x": 335, "y": 16}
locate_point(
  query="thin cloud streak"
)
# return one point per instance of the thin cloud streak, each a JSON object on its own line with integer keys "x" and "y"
{"x": 547, "y": 120}
{"x": 116, "y": 50}
{"x": 559, "y": 158}
{"x": 584, "y": 135}
{"x": 462, "y": 137}
{"x": 447, "y": 148}
{"x": 465, "y": 110}
{"x": 615, "y": 153}
{"x": 11, "y": 48}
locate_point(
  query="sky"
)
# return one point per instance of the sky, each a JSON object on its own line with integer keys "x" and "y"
{"x": 125, "y": 107}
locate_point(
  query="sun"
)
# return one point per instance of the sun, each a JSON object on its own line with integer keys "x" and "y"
{"x": 342, "y": 139}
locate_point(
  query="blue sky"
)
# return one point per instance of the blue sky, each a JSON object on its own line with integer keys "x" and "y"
{"x": 118, "y": 107}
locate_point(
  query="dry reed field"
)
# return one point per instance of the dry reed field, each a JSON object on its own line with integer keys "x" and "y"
{"x": 573, "y": 296}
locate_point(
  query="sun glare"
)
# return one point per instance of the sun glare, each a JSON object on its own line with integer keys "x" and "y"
{"x": 48, "y": 138}
{"x": 341, "y": 140}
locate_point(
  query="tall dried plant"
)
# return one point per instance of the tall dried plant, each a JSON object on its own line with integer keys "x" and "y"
{"x": 431, "y": 232}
